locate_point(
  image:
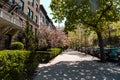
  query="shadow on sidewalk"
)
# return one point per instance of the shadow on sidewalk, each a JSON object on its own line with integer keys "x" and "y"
{"x": 84, "y": 70}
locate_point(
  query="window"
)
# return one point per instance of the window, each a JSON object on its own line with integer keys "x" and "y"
{"x": 31, "y": 2}
{"x": 31, "y": 27}
{"x": 37, "y": 0}
{"x": 30, "y": 13}
{"x": 36, "y": 19}
{"x": 11, "y": 1}
{"x": 35, "y": 31}
{"x": 47, "y": 23}
{"x": 37, "y": 7}
{"x": 21, "y": 21}
{"x": 40, "y": 14}
{"x": 43, "y": 19}
{"x": 21, "y": 5}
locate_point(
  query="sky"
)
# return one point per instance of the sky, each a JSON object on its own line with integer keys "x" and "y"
{"x": 46, "y": 4}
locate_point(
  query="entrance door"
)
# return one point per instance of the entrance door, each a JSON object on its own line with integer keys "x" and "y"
{"x": 8, "y": 41}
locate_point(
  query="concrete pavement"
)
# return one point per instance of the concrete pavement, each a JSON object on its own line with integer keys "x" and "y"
{"x": 74, "y": 65}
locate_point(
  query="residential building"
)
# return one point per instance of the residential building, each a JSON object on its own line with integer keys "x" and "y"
{"x": 13, "y": 15}
{"x": 45, "y": 21}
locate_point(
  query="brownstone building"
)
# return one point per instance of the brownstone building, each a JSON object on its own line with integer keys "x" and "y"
{"x": 13, "y": 15}
{"x": 45, "y": 21}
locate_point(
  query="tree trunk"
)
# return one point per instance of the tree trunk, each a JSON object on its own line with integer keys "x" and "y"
{"x": 102, "y": 55}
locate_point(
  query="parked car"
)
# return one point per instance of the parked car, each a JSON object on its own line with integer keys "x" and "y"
{"x": 90, "y": 50}
{"x": 113, "y": 53}
{"x": 110, "y": 53}
{"x": 82, "y": 49}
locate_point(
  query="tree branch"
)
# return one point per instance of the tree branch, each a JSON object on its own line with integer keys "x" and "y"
{"x": 104, "y": 11}
{"x": 89, "y": 24}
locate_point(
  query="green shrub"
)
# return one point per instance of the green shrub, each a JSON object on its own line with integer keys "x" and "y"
{"x": 55, "y": 52}
{"x": 12, "y": 64}
{"x": 31, "y": 64}
{"x": 45, "y": 56}
{"x": 17, "y": 46}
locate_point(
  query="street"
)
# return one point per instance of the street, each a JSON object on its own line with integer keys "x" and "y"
{"x": 74, "y": 65}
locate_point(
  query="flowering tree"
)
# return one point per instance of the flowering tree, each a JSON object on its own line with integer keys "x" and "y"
{"x": 44, "y": 35}
{"x": 52, "y": 38}
{"x": 59, "y": 39}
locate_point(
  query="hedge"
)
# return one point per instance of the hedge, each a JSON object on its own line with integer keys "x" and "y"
{"x": 55, "y": 52}
{"x": 17, "y": 46}
{"x": 46, "y": 56}
{"x": 12, "y": 64}
{"x": 20, "y": 64}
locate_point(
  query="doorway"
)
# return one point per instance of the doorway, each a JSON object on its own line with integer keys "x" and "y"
{"x": 8, "y": 39}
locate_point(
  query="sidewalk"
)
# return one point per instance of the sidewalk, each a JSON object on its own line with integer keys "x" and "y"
{"x": 73, "y": 65}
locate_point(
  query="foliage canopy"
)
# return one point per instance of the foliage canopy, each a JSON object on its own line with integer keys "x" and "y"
{"x": 92, "y": 13}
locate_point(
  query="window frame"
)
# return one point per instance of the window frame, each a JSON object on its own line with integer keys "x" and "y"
{"x": 30, "y": 13}
{"x": 36, "y": 19}
{"x": 22, "y": 7}
{"x": 37, "y": 8}
{"x": 11, "y": 1}
{"x": 31, "y": 2}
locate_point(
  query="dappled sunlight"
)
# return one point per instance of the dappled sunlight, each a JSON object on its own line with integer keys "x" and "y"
{"x": 74, "y": 65}
{"x": 79, "y": 70}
